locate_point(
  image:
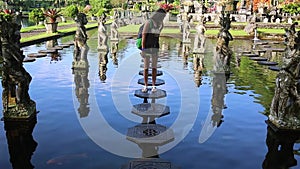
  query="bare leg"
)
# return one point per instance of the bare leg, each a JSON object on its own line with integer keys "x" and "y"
{"x": 146, "y": 68}
{"x": 154, "y": 72}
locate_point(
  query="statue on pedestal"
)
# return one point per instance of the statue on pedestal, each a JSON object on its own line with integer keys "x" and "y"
{"x": 284, "y": 111}
{"x": 199, "y": 41}
{"x": 186, "y": 32}
{"x": 223, "y": 52}
{"x": 15, "y": 79}
{"x": 80, "y": 46}
{"x": 114, "y": 34}
{"x": 102, "y": 36}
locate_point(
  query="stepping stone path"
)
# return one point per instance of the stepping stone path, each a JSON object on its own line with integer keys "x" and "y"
{"x": 150, "y": 109}
{"x": 64, "y": 45}
{"x": 267, "y": 63}
{"x": 29, "y": 59}
{"x": 55, "y": 48}
{"x": 37, "y": 55}
{"x": 153, "y": 95}
{"x": 274, "y": 68}
{"x": 48, "y": 51}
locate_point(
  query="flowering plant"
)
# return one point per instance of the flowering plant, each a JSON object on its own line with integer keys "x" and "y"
{"x": 167, "y": 7}
{"x": 52, "y": 14}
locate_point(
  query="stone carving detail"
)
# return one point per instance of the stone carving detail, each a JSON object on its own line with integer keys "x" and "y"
{"x": 284, "y": 112}
{"x": 80, "y": 46}
{"x": 15, "y": 79}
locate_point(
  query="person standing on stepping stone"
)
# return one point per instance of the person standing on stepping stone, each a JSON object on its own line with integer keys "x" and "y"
{"x": 150, "y": 45}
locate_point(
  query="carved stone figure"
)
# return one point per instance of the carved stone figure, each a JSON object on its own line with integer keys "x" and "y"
{"x": 15, "y": 79}
{"x": 284, "y": 111}
{"x": 251, "y": 26}
{"x": 102, "y": 36}
{"x": 80, "y": 46}
{"x": 199, "y": 41}
{"x": 292, "y": 41}
{"x": 114, "y": 34}
{"x": 223, "y": 52}
{"x": 186, "y": 32}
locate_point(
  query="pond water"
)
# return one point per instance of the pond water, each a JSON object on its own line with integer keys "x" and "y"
{"x": 83, "y": 121}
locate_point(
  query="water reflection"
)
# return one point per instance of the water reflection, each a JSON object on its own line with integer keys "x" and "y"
{"x": 21, "y": 144}
{"x": 198, "y": 66}
{"x": 280, "y": 149}
{"x": 82, "y": 85}
{"x": 113, "y": 52}
{"x": 103, "y": 60}
{"x": 149, "y": 135}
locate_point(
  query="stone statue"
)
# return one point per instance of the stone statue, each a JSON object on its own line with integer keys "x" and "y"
{"x": 284, "y": 111}
{"x": 103, "y": 61}
{"x": 114, "y": 34}
{"x": 251, "y": 26}
{"x": 186, "y": 32}
{"x": 292, "y": 39}
{"x": 199, "y": 41}
{"x": 15, "y": 79}
{"x": 102, "y": 36}
{"x": 223, "y": 52}
{"x": 80, "y": 45}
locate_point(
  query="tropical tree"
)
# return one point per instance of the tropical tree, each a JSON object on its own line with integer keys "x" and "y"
{"x": 36, "y": 15}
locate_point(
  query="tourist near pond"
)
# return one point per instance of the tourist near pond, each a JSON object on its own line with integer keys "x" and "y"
{"x": 226, "y": 93}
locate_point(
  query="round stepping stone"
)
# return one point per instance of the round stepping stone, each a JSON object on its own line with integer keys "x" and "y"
{"x": 153, "y": 95}
{"x": 157, "y": 83}
{"x": 158, "y": 66}
{"x": 154, "y": 134}
{"x": 69, "y": 43}
{"x": 158, "y": 73}
{"x": 261, "y": 43}
{"x": 150, "y": 163}
{"x": 37, "y": 55}
{"x": 278, "y": 49}
{"x": 64, "y": 45}
{"x": 274, "y": 68}
{"x": 55, "y": 48}
{"x": 48, "y": 51}
{"x": 28, "y": 59}
{"x": 258, "y": 58}
{"x": 150, "y": 109}
{"x": 246, "y": 52}
{"x": 267, "y": 63}
{"x": 250, "y": 54}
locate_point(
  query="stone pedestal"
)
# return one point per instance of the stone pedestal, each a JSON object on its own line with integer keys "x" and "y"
{"x": 51, "y": 27}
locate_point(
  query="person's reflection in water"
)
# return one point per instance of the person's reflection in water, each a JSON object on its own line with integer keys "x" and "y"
{"x": 81, "y": 87}
{"x": 20, "y": 142}
{"x": 103, "y": 60}
{"x": 280, "y": 153}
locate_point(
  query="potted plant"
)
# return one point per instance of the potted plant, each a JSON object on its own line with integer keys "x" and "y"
{"x": 51, "y": 16}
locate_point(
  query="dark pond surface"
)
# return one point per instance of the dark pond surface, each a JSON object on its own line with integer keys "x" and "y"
{"x": 83, "y": 120}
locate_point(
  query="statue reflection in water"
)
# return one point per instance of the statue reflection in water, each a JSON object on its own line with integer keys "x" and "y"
{"x": 81, "y": 88}
{"x": 21, "y": 144}
{"x": 280, "y": 153}
{"x": 103, "y": 60}
{"x": 113, "y": 53}
{"x": 198, "y": 66}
